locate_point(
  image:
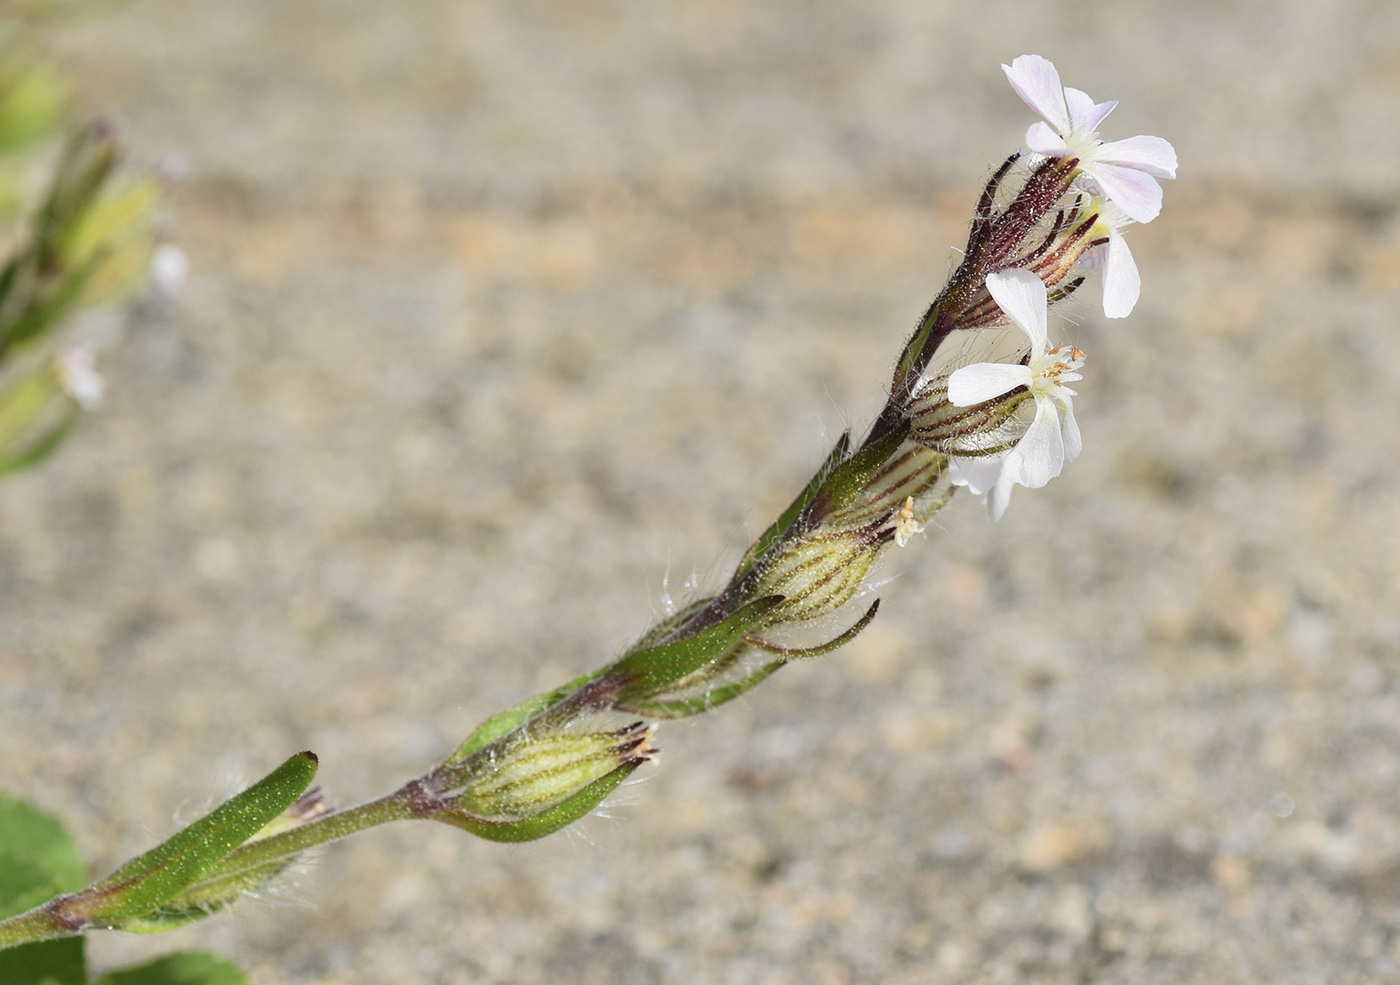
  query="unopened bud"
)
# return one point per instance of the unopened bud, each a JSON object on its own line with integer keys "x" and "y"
{"x": 819, "y": 572}
{"x": 527, "y": 775}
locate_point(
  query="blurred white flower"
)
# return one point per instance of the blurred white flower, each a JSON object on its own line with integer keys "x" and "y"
{"x": 78, "y": 375}
{"x": 1052, "y": 440}
{"x": 169, "y": 268}
{"x": 1124, "y": 170}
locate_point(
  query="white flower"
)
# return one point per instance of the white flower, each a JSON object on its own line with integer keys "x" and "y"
{"x": 1124, "y": 170}
{"x": 1121, "y": 281}
{"x": 1052, "y": 440}
{"x": 169, "y": 268}
{"x": 78, "y": 375}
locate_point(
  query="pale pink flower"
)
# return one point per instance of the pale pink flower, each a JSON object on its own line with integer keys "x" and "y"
{"x": 1124, "y": 170}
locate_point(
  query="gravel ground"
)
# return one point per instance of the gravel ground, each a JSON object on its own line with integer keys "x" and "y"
{"x": 505, "y": 316}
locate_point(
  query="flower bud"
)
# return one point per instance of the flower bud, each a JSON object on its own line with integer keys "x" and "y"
{"x": 525, "y": 775}
{"x": 819, "y": 572}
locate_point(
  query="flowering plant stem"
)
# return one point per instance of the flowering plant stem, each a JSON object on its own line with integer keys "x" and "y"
{"x": 532, "y": 769}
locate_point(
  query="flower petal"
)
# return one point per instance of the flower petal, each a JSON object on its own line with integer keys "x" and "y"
{"x": 1042, "y": 139}
{"x": 1040, "y": 454}
{"x": 1121, "y": 281}
{"x": 1069, "y": 432}
{"x": 978, "y": 474}
{"x": 1136, "y": 193}
{"x": 1151, "y": 155}
{"x": 998, "y": 498}
{"x": 1083, "y": 111}
{"x": 1038, "y": 84}
{"x": 1022, "y": 297}
{"x": 985, "y": 381}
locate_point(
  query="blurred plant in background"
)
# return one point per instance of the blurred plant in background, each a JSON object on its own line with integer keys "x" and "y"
{"x": 76, "y": 233}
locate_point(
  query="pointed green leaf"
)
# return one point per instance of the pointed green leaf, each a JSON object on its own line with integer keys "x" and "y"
{"x": 545, "y": 823}
{"x": 147, "y": 882}
{"x": 184, "y": 968}
{"x": 648, "y": 670}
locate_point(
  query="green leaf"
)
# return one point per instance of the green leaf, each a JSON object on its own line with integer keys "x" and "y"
{"x": 649, "y": 670}
{"x": 38, "y": 860}
{"x": 59, "y": 962}
{"x": 149, "y": 881}
{"x": 545, "y": 823}
{"x": 36, "y": 854}
{"x": 184, "y": 968}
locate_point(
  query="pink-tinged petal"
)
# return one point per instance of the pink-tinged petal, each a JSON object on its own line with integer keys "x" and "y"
{"x": 978, "y": 474}
{"x": 1084, "y": 112}
{"x": 985, "y": 381}
{"x": 1038, "y": 84}
{"x": 1069, "y": 432}
{"x": 1136, "y": 193}
{"x": 1022, "y": 297}
{"x": 1151, "y": 155}
{"x": 1121, "y": 282}
{"x": 1040, "y": 454}
{"x": 1041, "y": 139}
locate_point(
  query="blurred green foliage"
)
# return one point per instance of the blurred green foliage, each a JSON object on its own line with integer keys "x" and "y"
{"x": 38, "y": 859}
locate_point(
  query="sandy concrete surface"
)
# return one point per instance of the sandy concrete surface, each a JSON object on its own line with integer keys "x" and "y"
{"x": 505, "y": 316}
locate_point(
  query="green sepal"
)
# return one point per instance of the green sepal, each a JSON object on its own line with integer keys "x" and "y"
{"x": 685, "y": 707}
{"x": 785, "y": 520}
{"x": 821, "y": 649}
{"x": 205, "y": 897}
{"x": 499, "y": 724}
{"x": 153, "y": 879}
{"x": 545, "y": 823}
{"x": 848, "y": 479}
{"x": 183, "y": 968}
{"x": 647, "y": 671}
